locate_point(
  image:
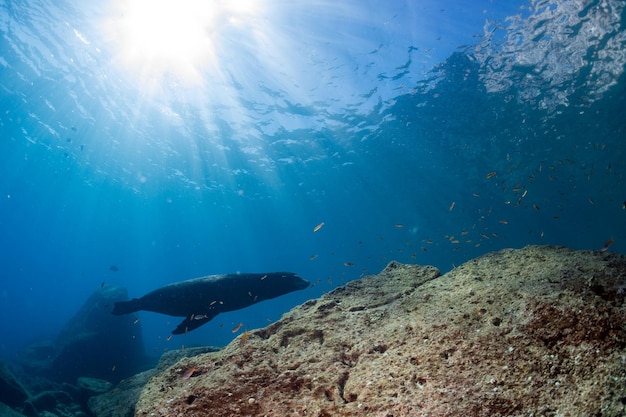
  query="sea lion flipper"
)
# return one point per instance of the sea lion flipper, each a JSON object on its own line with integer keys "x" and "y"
{"x": 192, "y": 322}
{"x": 127, "y": 307}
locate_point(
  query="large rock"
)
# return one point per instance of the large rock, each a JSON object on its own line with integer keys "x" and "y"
{"x": 537, "y": 331}
{"x": 93, "y": 343}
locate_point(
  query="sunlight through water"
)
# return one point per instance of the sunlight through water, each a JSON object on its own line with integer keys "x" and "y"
{"x": 163, "y": 41}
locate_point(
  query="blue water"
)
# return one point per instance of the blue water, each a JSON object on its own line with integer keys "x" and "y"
{"x": 425, "y": 132}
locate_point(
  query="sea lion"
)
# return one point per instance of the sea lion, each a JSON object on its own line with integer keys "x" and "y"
{"x": 201, "y": 299}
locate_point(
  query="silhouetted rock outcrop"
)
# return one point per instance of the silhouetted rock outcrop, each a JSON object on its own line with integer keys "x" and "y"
{"x": 93, "y": 343}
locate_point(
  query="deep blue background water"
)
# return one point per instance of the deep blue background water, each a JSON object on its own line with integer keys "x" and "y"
{"x": 382, "y": 120}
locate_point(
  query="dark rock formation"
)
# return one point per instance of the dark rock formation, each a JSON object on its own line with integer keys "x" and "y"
{"x": 6, "y": 411}
{"x": 94, "y": 349}
{"x": 93, "y": 343}
{"x": 537, "y": 331}
{"x": 12, "y": 393}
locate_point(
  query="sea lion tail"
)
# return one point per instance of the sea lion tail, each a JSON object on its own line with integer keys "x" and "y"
{"x": 126, "y": 307}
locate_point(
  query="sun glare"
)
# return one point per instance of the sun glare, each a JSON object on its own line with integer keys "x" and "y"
{"x": 154, "y": 39}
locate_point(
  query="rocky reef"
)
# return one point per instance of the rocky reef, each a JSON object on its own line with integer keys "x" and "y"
{"x": 537, "y": 331}
{"x": 56, "y": 377}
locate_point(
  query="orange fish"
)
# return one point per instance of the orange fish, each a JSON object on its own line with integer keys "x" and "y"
{"x": 607, "y": 244}
{"x": 188, "y": 373}
{"x": 243, "y": 338}
{"x": 236, "y": 328}
{"x": 491, "y": 174}
{"x": 318, "y": 227}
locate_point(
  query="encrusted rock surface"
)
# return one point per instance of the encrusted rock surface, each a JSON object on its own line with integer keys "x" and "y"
{"x": 533, "y": 332}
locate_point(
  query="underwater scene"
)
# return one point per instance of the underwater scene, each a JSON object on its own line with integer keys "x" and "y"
{"x": 176, "y": 176}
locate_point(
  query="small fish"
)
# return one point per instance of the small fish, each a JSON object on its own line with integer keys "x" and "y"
{"x": 113, "y": 368}
{"x": 199, "y": 316}
{"x": 189, "y": 373}
{"x": 102, "y": 285}
{"x": 348, "y": 264}
{"x": 263, "y": 277}
{"x": 313, "y": 257}
{"x": 476, "y": 194}
{"x": 136, "y": 320}
{"x": 536, "y": 207}
{"x": 624, "y": 205}
{"x": 524, "y": 193}
{"x": 504, "y": 222}
{"x": 591, "y": 201}
{"x": 114, "y": 268}
{"x": 452, "y": 206}
{"x": 399, "y": 225}
{"x": 168, "y": 338}
{"x": 242, "y": 340}
{"x": 318, "y": 227}
{"x": 424, "y": 249}
{"x": 236, "y": 328}
{"x": 212, "y": 302}
{"x": 491, "y": 174}
{"x": 607, "y": 244}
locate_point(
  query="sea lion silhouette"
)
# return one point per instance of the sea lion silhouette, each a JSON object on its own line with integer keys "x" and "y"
{"x": 201, "y": 299}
